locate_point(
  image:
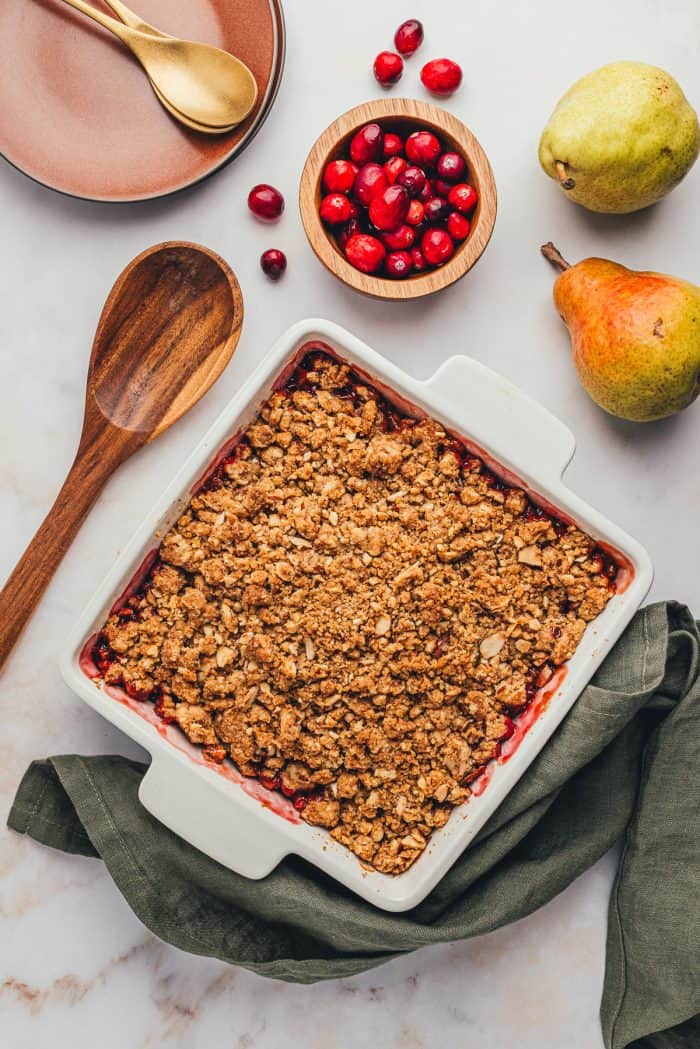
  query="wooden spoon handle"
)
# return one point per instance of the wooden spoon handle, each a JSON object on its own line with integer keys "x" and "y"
{"x": 94, "y": 464}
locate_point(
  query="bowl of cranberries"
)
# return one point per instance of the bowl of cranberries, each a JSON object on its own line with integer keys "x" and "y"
{"x": 398, "y": 199}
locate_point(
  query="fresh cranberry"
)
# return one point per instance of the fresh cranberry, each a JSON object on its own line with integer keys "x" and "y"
{"x": 436, "y": 210}
{"x": 354, "y": 209}
{"x": 451, "y": 167}
{"x": 393, "y": 144}
{"x": 388, "y": 210}
{"x": 412, "y": 179}
{"x": 417, "y": 260}
{"x": 423, "y": 148}
{"x": 401, "y": 239}
{"x": 441, "y": 188}
{"x": 339, "y": 176}
{"x": 266, "y": 202}
{"x": 409, "y": 37}
{"x": 273, "y": 263}
{"x": 366, "y": 144}
{"x": 335, "y": 209}
{"x": 365, "y": 252}
{"x": 427, "y": 192}
{"x": 351, "y": 227}
{"x": 437, "y": 247}
{"x": 371, "y": 180}
{"x": 398, "y": 264}
{"x": 458, "y": 226}
{"x": 394, "y": 167}
{"x": 416, "y": 213}
{"x": 442, "y": 76}
{"x": 388, "y": 68}
{"x": 463, "y": 197}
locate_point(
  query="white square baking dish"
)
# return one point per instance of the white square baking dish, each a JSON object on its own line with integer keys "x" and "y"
{"x": 250, "y": 829}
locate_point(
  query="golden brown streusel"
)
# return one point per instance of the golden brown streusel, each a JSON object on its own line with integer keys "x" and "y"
{"x": 351, "y": 609}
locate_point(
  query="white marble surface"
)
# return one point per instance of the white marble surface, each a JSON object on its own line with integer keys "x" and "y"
{"x": 76, "y": 967}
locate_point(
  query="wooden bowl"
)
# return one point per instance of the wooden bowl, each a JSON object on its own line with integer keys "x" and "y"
{"x": 402, "y": 115}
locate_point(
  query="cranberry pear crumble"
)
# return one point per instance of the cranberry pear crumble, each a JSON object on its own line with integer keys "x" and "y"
{"x": 352, "y": 608}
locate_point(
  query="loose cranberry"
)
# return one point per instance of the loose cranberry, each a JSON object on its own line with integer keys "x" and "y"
{"x": 417, "y": 260}
{"x": 365, "y": 252}
{"x": 266, "y": 202}
{"x": 437, "y": 247}
{"x": 412, "y": 179}
{"x": 451, "y": 167}
{"x": 458, "y": 226}
{"x": 441, "y": 188}
{"x": 442, "y": 76}
{"x": 398, "y": 264}
{"x": 339, "y": 176}
{"x": 423, "y": 148}
{"x": 401, "y": 239}
{"x": 273, "y": 263}
{"x": 335, "y": 209}
{"x": 436, "y": 210}
{"x": 416, "y": 213}
{"x": 366, "y": 144}
{"x": 427, "y": 192}
{"x": 388, "y": 68}
{"x": 351, "y": 227}
{"x": 463, "y": 197}
{"x": 394, "y": 167}
{"x": 393, "y": 144}
{"x": 388, "y": 210}
{"x": 371, "y": 180}
{"x": 409, "y": 37}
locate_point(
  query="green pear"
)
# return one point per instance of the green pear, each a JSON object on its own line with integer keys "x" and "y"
{"x": 635, "y": 335}
{"x": 621, "y": 138}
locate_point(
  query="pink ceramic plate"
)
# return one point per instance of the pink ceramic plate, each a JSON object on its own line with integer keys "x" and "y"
{"x": 77, "y": 112}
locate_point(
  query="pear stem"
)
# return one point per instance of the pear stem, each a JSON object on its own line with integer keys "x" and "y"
{"x": 564, "y": 177}
{"x": 554, "y": 256}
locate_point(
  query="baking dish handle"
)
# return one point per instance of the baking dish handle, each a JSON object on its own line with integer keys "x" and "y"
{"x": 511, "y": 423}
{"x": 196, "y": 810}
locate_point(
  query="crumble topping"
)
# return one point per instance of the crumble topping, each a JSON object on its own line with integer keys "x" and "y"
{"x": 352, "y": 608}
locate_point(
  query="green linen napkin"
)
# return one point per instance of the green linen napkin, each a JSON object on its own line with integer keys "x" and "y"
{"x": 622, "y": 767}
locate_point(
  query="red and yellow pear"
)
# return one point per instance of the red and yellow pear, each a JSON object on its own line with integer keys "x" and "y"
{"x": 635, "y": 335}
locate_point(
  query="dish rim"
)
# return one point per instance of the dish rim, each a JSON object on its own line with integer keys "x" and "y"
{"x": 244, "y": 835}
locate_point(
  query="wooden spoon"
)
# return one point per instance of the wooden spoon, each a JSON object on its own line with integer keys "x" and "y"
{"x": 167, "y": 331}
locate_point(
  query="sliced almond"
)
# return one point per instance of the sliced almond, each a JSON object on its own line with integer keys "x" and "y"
{"x": 224, "y": 656}
{"x": 309, "y": 648}
{"x": 333, "y": 517}
{"x": 530, "y": 555}
{"x": 492, "y": 645}
{"x": 383, "y": 626}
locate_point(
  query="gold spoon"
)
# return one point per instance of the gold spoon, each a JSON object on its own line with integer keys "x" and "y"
{"x": 134, "y": 21}
{"x": 202, "y": 84}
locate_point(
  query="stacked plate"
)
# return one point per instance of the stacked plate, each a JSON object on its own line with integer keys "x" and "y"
{"x": 79, "y": 116}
